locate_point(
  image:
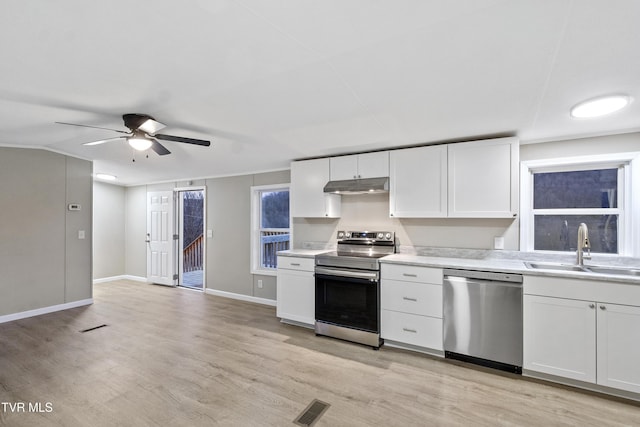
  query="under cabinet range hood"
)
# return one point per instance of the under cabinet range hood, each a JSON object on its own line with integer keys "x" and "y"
{"x": 358, "y": 186}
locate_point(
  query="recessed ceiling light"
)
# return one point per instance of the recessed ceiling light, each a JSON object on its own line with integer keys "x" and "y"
{"x": 106, "y": 176}
{"x": 600, "y": 106}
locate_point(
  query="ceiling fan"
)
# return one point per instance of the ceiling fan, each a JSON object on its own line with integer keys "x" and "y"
{"x": 142, "y": 134}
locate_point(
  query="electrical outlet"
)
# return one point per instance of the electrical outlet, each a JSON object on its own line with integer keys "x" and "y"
{"x": 209, "y": 234}
{"x": 80, "y": 234}
{"x": 498, "y": 242}
{"x": 260, "y": 284}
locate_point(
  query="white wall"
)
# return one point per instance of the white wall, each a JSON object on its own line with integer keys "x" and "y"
{"x": 42, "y": 260}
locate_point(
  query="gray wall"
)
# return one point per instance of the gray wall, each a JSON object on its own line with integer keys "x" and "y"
{"x": 109, "y": 231}
{"x": 228, "y": 252}
{"x": 135, "y": 232}
{"x": 42, "y": 261}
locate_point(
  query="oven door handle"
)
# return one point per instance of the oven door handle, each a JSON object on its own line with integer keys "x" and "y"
{"x": 337, "y": 272}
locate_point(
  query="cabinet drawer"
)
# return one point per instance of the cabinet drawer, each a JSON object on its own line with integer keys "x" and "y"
{"x": 411, "y": 329}
{"x": 410, "y": 297}
{"x": 411, "y": 273}
{"x": 293, "y": 263}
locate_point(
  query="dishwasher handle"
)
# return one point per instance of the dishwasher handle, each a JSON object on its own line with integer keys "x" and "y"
{"x": 484, "y": 275}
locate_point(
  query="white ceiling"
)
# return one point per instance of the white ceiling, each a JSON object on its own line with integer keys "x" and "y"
{"x": 272, "y": 81}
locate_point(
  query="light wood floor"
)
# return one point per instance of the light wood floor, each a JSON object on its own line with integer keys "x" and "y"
{"x": 175, "y": 357}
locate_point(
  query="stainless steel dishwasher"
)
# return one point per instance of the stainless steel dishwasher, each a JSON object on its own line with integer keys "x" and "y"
{"x": 483, "y": 318}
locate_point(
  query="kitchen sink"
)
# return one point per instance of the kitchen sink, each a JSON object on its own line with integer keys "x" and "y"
{"x": 598, "y": 269}
{"x": 554, "y": 266}
{"x": 625, "y": 271}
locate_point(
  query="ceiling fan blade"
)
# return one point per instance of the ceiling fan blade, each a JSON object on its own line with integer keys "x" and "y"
{"x": 142, "y": 122}
{"x": 92, "y": 127}
{"x": 102, "y": 141}
{"x": 164, "y": 137}
{"x": 160, "y": 149}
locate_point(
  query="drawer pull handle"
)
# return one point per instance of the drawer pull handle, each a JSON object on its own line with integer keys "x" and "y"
{"x": 410, "y": 299}
{"x": 409, "y": 275}
{"x": 413, "y": 331}
{"x": 297, "y": 264}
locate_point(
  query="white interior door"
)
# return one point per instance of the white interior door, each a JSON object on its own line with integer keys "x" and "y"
{"x": 160, "y": 243}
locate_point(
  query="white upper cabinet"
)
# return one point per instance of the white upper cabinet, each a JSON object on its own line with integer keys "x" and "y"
{"x": 483, "y": 178}
{"x": 308, "y": 178}
{"x": 368, "y": 165}
{"x": 418, "y": 182}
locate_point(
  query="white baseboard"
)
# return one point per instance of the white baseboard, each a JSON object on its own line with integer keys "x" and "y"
{"x": 44, "y": 310}
{"x": 122, "y": 277}
{"x": 248, "y": 298}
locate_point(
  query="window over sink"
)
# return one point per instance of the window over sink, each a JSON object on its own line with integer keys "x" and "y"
{"x": 559, "y": 194}
{"x": 271, "y": 226}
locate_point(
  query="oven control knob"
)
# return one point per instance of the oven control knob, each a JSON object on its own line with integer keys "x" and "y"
{"x": 387, "y": 236}
{"x": 340, "y": 234}
{"x": 347, "y": 235}
{"x": 380, "y": 236}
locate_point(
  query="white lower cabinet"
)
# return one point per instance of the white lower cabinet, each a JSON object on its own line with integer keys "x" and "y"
{"x": 295, "y": 290}
{"x": 411, "y": 308}
{"x": 421, "y": 331}
{"x": 559, "y": 337}
{"x": 619, "y": 346}
{"x": 569, "y": 336}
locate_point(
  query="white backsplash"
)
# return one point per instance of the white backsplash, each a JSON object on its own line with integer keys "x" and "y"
{"x": 371, "y": 212}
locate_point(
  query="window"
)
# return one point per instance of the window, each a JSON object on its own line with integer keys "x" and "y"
{"x": 271, "y": 226}
{"x": 558, "y": 195}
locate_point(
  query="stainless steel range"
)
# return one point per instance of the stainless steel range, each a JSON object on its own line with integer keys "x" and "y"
{"x": 348, "y": 287}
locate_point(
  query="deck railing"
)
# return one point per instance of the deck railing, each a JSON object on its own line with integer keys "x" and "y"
{"x": 192, "y": 255}
{"x": 272, "y": 242}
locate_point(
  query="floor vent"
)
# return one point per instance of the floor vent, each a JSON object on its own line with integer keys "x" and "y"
{"x": 312, "y": 413}
{"x": 93, "y": 329}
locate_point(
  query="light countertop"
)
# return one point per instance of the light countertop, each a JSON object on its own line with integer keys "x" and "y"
{"x": 501, "y": 266}
{"x": 482, "y": 261}
{"x": 303, "y": 253}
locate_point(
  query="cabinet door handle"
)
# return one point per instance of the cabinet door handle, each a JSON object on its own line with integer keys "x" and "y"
{"x": 409, "y": 275}
{"x": 410, "y": 299}
{"x": 413, "y": 331}
{"x": 297, "y": 264}
{"x": 603, "y": 307}
{"x": 592, "y": 305}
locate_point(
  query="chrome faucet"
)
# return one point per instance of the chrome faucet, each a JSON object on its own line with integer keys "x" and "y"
{"x": 583, "y": 243}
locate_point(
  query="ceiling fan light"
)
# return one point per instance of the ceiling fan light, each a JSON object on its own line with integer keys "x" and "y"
{"x": 600, "y": 106}
{"x": 151, "y": 126}
{"x": 140, "y": 144}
